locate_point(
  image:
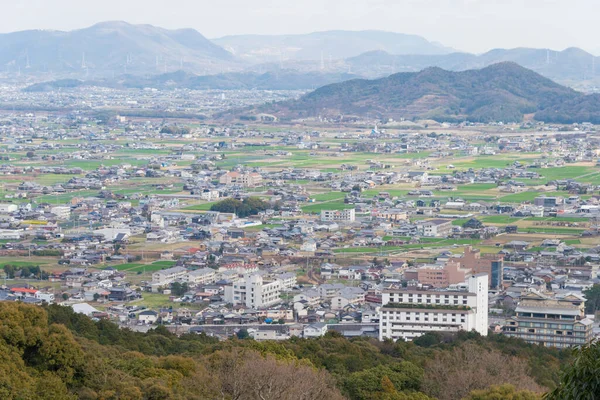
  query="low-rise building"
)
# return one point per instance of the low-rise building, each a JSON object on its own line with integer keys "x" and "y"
{"x": 347, "y": 215}
{"x": 166, "y": 276}
{"x": 550, "y": 321}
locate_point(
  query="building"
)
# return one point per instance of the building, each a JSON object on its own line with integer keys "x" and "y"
{"x": 209, "y": 195}
{"x": 148, "y": 317}
{"x": 315, "y": 330}
{"x": 348, "y": 215}
{"x": 7, "y": 208}
{"x": 392, "y": 214}
{"x": 434, "y": 228}
{"x": 246, "y": 179}
{"x": 409, "y": 313}
{"x": 548, "y": 202}
{"x": 201, "y": 276}
{"x": 438, "y": 276}
{"x": 550, "y": 321}
{"x": 61, "y": 212}
{"x": 254, "y": 292}
{"x": 490, "y": 264}
{"x": 166, "y": 276}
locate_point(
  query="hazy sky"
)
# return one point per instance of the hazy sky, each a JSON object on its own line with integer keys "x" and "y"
{"x": 470, "y": 25}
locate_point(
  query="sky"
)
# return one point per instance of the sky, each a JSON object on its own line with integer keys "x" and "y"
{"x": 467, "y": 25}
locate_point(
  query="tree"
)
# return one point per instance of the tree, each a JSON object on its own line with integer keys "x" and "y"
{"x": 30, "y": 154}
{"x": 242, "y": 334}
{"x": 454, "y": 374}
{"x": 503, "y": 392}
{"x": 592, "y": 296}
{"x": 580, "y": 380}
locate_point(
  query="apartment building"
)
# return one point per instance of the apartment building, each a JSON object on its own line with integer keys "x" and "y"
{"x": 166, "y": 276}
{"x": 434, "y": 228}
{"x": 201, "y": 276}
{"x": 550, "y": 321}
{"x": 253, "y": 291}
{"x": 409, "y": 313}
{"x": 246, "y": 179}
{"x": 348, "y": 215}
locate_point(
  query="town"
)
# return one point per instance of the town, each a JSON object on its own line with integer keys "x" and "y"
{"x": 144, "y": 216}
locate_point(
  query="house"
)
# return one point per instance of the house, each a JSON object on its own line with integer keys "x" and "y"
{"x": 148, "y": 317}
{"x": 315, "y": 330}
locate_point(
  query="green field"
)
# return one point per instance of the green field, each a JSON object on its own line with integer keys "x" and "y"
{"x": 330, "y": 205}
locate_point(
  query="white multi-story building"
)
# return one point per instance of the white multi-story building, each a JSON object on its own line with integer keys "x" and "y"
{"x": 209, "y": 195}
{"x": 246, "y": 179}
{"x": 254, "y": 292}
{"x": 288, "y": 280}
{"x": 61, "y": 212}
{"x": 201, "y": 276}
{"x": 166, "y": 276}
{"x": 409, "y": 313}
{"x": 348, "y": 215}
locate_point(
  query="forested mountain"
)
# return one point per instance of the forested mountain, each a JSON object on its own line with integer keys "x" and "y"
{"x": 501, "y": 92}
{"x": 52, "y": 353}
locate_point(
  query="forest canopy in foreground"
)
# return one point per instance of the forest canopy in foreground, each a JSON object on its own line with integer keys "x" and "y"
{"x": 52, "y": 353}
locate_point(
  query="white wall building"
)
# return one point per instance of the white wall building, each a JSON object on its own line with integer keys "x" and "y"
{"x": 61, "y": 212}
{"x": 200, "y": 276}
{"x": 7, "y": 208}
{"x": 348, "y": 215}
{"x": 166, "y": 276}
{"x": 252, "y": 291}
{"x": 409, "y": 313}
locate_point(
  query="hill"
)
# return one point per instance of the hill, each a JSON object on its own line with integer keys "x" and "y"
{"x": 276, "y": 80}
{"x": 568, "y": 66}
{"x": 317, "y": 45}
{"x": 51, "y": 352}
{"x": 109, "y": 47}
{"x": 501, "y": 92}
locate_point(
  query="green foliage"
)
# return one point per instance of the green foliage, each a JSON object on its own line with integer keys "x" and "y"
{"x": 179, "y": 289}
{"x": 175, "y": 130}
{"x": 592, "y": 296}
{"x": 500, "y": 92}
{"x": 370, "y": 383}
{"x": 503, "y": 392}
{"x": 242, "y": 208}
{"x": 581, "y": 380}
{"x": 52, "y": 352}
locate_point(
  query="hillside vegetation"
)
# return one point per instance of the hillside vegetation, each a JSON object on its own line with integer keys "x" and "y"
{"x": 53, "y": 353}
{"x": 501, "y": 92}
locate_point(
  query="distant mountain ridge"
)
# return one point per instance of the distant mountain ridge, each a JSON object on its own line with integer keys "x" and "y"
{"x": 276, "y": 80}
{"x": 572, "y": 64}
{"x": 500, "y": 92}
{"x": 325, "y": 45}
{"x": 110, "y": 46}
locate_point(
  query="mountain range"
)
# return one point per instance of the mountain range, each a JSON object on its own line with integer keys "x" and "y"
{"x": 501, "y": 92}
{"x": 325, "y": 45}
{"x": 113, "y": 49}
{"x": 567, "y": 66}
